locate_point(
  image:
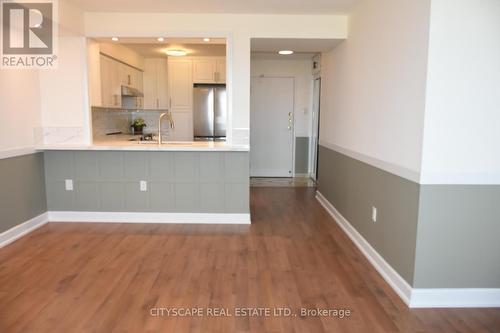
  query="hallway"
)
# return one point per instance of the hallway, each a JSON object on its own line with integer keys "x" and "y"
{"x": 77, "y": 277}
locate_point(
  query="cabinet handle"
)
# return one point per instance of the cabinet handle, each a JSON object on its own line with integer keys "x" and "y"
{"x": 129, "y": 80}
{"x": 170, "y": 103}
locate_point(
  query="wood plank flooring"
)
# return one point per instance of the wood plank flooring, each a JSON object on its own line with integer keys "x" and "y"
{"x": 109, "y": 277}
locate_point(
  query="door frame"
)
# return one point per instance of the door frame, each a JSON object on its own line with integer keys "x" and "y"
{"x": 315, "y": 122}
{"x": 293, "y": 113}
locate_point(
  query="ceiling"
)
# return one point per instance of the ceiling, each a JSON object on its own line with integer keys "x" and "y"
{"x": 273, "y": 45}
{"x": 151, "y": 47}
{"x": 220, "y": 6}
{"x": 158, "y": 50}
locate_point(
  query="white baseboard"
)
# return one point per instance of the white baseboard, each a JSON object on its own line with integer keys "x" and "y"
{"x": 22, "y": 229}
{"x": 400, "y": 286}
{"x": 414, "y": 298}
{"x": 133, "y": 217}
{"x": 455, "y": 298}
{"x": 302, "y": 175}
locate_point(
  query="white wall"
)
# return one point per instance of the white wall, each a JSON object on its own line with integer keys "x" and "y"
{"x": 19, "y": 110}
{"x": 373, "y": 86}
{"x": 64, "y": 92}
{"x": 300, "y": 70}
{"x": 237, "y": 28}
{"x": 462, "y": 120}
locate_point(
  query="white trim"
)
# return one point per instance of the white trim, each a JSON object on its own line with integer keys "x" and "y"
{"x": 302, "y": 175}
{"x": 395, "y": 169}
{"x": 22, "y": 229}
{"x": 455, "y": 298}
{"x": 400, "y": 286}
{"x": 19, "y": 151}
{"x": 133, "y": 217}
{"x": 460, "y": 178}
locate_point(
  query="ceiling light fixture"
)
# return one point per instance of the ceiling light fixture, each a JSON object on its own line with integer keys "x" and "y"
{"x": 206, "y": 39}
{"x": 285, "y": 52}
{"x": 176, "y": 53}
{"x": 160, "y": 39}
{"x": 114, "y": 39}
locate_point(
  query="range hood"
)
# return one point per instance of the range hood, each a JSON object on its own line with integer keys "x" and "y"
{"x": 131, "y": 92}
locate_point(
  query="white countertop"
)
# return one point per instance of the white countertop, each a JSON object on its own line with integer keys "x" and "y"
{"x": 123, "y": 143}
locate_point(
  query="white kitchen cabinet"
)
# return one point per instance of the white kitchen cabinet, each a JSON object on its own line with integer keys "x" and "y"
{"x": 180, "y": 85}
{"x": 110, "y": 82}
{"x": 204, "y": 70}
{"x": 209, "y": 70}
{"x": 183, "y": 130}
{"x": 155, "y": 84}
{"x": 220, "y": 70}
{"x": 131, "y": 77}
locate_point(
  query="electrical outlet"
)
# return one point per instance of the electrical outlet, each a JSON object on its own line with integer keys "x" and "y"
{"x": 143, "y": 185}
{"x": 68, "y": 184}
{"x": 374, "y": 214}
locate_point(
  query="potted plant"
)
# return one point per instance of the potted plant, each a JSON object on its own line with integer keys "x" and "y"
{"x": 138, "y": 125}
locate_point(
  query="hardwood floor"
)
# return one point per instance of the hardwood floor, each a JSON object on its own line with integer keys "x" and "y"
{"x": 109, "y": 277}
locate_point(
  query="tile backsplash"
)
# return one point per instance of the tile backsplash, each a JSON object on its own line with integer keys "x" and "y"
{"x": 106, "y": 121}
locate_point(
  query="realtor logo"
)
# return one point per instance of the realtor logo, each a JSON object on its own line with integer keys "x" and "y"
{"x": 29, "y": 33}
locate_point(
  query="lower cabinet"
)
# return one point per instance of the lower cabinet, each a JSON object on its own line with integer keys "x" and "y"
{"x": 183, "y": 130}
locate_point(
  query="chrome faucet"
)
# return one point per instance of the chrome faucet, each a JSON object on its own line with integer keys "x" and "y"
{"x": 170, "y": 121}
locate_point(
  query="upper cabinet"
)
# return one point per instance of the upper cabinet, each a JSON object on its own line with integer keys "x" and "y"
{"x": 110, "y": 82}
{"x": 114, "y": 75}
{"x": 131, "y": 77}
{"x": 220, "y": 70}
{"x": 180, "y": 84}
{"x": 155, "y": 84}
{"x": 209, "y": 70}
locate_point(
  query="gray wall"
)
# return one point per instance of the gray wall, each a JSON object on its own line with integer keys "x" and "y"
{"x": 353, "y": 187}
{"x": 301, "y": 155}
{"x": 434, "y": 236}
{"x": 22, "y": 191}
{"x": 458, "y": 230}
{"x": 189, "y": 182}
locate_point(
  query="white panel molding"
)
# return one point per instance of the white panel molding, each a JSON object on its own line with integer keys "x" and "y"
{"x": 395, "y": 169}
{"x": 22, "y": 229}
{"x": 19, "y": 151}
{"x": 459, "y": 178}
{"x": 455, "y": 298}
{"x": 414, "y": 297}
{"x": 133, "y": 217}
{"x": 400, "y": 286}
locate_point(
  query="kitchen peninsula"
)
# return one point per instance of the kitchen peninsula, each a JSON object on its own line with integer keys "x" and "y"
{"x": 192, "y": 182}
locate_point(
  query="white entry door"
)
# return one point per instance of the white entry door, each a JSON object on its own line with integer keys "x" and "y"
{"x": 271, "y": 127}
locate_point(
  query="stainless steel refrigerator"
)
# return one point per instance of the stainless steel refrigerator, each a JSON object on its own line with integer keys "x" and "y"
{"x": 209, "y": 112}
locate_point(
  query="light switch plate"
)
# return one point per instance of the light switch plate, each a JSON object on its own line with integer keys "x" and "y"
{"x": 143, "y": 185}
{"x": 68, "y": 184}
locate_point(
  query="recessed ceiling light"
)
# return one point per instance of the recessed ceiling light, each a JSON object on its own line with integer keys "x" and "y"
{"x": 285, "y": 52}
{"x": 176, "y": 53}
{"x": 206, "y": 39}
{"x": 160, "y": 39}
{"x": 114, "y": 39}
